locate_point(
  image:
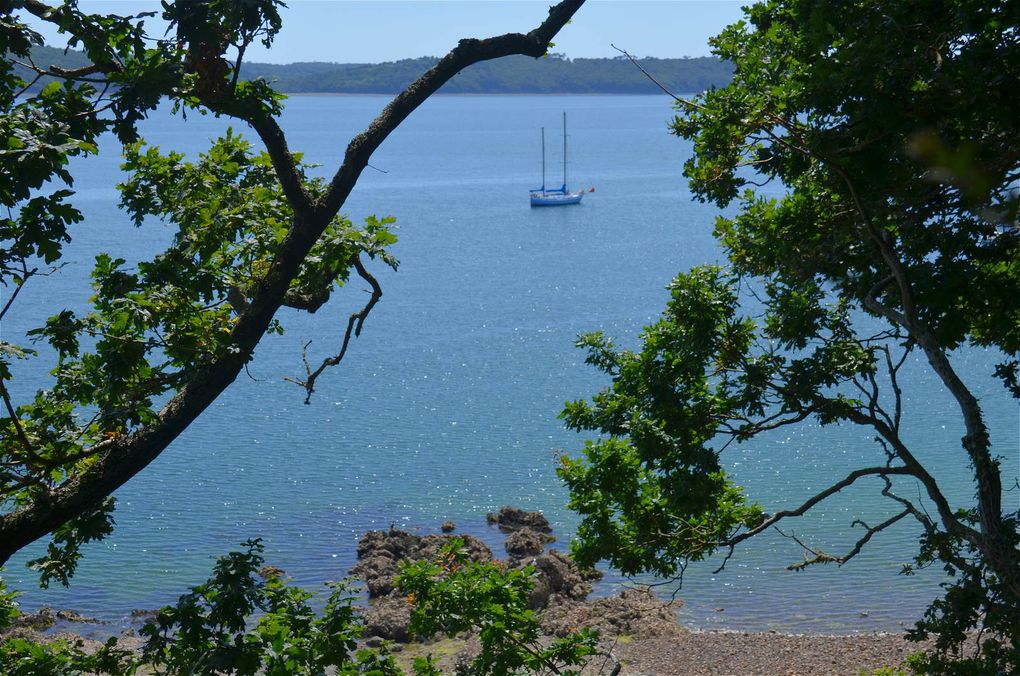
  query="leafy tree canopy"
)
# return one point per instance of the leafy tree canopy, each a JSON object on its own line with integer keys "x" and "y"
{"x": 891, "y": 130}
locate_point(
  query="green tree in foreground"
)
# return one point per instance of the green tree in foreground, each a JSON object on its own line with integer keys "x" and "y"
{"x": 253, "y": 233}
{"x": 212, "y": 629}
{"x": 453, "y": 595}
{"x": 891, "y": 130}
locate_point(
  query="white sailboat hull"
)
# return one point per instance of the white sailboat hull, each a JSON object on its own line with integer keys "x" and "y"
{"x": 555, "y": 199}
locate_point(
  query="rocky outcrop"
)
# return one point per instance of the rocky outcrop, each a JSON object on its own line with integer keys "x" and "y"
{"x": 524, "y": 543}
{"x": 634, "y": 612}
{"x": 559, "y": 580}
{"x": 40, "y": 620}
{"x": 45, "y": 625}
{"x": 509, "y": 519}
{"x": 388, "y": 615}
{"x": 389, "y": 618}
{"x": 380, "y": 553}
{"x": 561, "y": 586}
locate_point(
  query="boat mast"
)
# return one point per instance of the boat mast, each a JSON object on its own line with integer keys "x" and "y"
{"x": 543, "y": 159}
{"x": 564, "y": 151}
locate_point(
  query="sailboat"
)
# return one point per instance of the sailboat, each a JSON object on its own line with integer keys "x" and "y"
{"x": 555, "y": 197}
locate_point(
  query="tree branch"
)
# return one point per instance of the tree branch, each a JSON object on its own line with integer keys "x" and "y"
{"x": 653, "y": 80}
{"x": 822, "y": 557}
{"x": 26, "y": 274}
{"x": 16, "y": 421}
{"x": 949, "y": 520}
{"x": 76, "y": 73}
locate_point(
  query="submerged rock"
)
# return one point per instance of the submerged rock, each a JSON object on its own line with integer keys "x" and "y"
{"x": 509, "y": 519}
{"x": 448, "y": 527}
{"x": 76, "y": 617}
{"x": 270, "y": 571}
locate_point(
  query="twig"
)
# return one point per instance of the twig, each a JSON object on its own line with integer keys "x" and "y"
{"x": 354, "y": 325}
{"x": 17, "y": 422}
{"x": 649, "y": 76}
{"x": 822, "y": 557}
{"x": 17, "y": 290}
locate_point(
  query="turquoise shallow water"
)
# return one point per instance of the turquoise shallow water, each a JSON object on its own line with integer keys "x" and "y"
{"x": 447, "y": 406}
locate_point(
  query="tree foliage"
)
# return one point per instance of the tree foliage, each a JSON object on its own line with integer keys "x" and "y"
{"x": 253, "y": 232}
{"x": 891, "y": 131}
{"x": 243, "y": 621}
{"x": 64, "y": 657}
{"x": 453, "y": 594}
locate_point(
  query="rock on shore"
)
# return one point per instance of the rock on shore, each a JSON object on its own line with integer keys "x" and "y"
{"x": 380, "y": 553}
{"x": 510, "y": 519}
{"x": 561, "y": 586}
{"x": 633, "y": 613}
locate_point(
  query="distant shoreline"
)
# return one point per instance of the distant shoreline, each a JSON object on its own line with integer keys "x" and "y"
{"x": 509, "y": 76}
{"x": 474, "y": 94}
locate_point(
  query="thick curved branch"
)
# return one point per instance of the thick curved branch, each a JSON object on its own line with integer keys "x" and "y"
{"x": 309, "y": 301}
{"x": 286, "y": 168}
{"x": 76, "y": 73}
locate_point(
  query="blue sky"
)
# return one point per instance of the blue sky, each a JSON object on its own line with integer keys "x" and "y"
{"x": 351, "y": 31}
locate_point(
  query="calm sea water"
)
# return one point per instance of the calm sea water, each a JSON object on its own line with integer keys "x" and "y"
{"x": 446, "y": 408}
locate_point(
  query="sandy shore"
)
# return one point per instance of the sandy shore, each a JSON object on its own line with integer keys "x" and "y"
{"x": 699, "y": 653}
{"x": 712, "y": 652}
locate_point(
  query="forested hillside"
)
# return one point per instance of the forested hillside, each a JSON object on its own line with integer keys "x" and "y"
{"x": 512, "y": 75}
